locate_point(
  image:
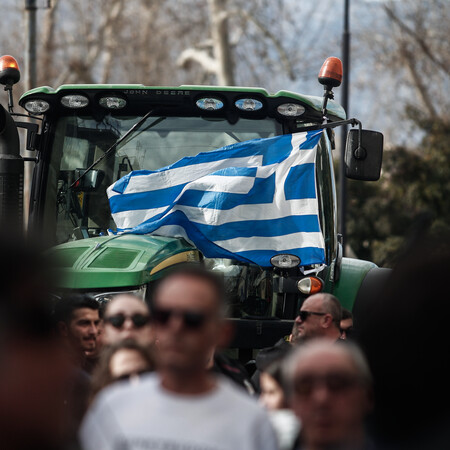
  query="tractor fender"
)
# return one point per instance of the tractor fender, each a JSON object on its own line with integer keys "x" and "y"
{"x": 367, "y": 299}
{"x": 357, "y": 278}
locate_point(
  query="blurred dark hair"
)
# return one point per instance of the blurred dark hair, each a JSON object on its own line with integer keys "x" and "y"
{"x": 65, "y": 307}
{"x": 267, "y": 356}
{"x": 102, "y": 376}
{"x": 25, "y": 306}
{"x": 346, "y": 314}
{"x": 274, "y": 370}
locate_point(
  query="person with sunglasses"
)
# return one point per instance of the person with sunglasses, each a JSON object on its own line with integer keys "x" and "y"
{"x": 319, "y": 316}
{"x": 182, "y": 405}
{"x": 127, "y": 316}
{"x": 329, "y": 388}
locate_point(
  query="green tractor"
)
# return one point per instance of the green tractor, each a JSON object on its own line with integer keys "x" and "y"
{"x": 85, "y": 138}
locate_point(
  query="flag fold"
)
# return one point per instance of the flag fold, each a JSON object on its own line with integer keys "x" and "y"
{"x": 247, "y": 201}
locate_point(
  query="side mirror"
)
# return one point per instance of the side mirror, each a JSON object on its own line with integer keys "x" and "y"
{"x": 89, "y": 182}
{"x": 363, "y": 155}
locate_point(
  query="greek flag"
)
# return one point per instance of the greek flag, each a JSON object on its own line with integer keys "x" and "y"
{"x": 247, "y": 201}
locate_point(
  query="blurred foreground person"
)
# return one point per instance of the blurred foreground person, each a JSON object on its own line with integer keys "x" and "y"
{"x": 273, "y": 398}
{"x": 410, "y": 358}
{"x": 127, "y": 317}
{"x": 33, "y": 369}
{"x": 220, "y": 363}
{"x": 184, "y": 405}
{"x": 329, "y": 385}
{"x": 126, "y": 360}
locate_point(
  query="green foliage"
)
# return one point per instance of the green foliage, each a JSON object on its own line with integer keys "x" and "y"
{"x": 414, "y": 181}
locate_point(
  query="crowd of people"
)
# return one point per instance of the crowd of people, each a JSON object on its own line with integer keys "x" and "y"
{"x": 131, "y": 374}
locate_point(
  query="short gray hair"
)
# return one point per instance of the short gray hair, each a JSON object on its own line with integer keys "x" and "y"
{"x": 332, "y": 306}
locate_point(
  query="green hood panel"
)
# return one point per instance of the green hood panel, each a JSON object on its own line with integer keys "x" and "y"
{"x": 115, "y": 261}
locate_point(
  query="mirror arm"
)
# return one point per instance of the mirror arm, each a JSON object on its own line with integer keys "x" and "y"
{"x": 360, "y": 152}
{"x": 352, "y": 122}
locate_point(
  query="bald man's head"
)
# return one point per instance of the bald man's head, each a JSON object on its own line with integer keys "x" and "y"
{"x": 329, "y": 389}
{"x": 319, "y": 316}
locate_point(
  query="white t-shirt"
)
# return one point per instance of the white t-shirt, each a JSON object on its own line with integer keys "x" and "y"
{"x": 147, "y": 416}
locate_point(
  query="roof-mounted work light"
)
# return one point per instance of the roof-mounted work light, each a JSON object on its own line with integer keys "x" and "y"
{"x": 209, "y": 103}
{"x": 9, "y": 75}
{"x": 330, "y": 76}
{"x": 9, "y": 70}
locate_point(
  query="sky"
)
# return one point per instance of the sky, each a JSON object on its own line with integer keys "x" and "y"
{"x": 322, "y": 36}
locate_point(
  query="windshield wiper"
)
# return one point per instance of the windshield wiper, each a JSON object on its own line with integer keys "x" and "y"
{"x": 114, "y": 146}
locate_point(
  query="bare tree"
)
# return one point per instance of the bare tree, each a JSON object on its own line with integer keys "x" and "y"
{"x": 411, "y": 56}
{"x": 215, "y": 54}
{"x": 47, "y": 49}
{"x": 248, "y": 38}
{"x": 221, "y": 41}
{"x": 422, "y": 48}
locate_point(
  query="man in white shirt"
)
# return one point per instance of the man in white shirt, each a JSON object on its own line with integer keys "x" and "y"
{"x": 183, "y": 406}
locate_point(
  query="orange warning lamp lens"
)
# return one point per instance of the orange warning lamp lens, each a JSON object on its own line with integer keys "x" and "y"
{"x": 310, "y": 285}
{"x": 330, "y": 74}
{"x": 9, "y": 70}
{"x": 316, "y": 285}
{"x": 8, "y": 61}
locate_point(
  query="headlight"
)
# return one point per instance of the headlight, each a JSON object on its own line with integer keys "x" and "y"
{"x": 248, "y": 104}
{"x": 37, "y": 106}
{"x": 291, "y": 109}
{"x": 111, "y": 102}
{"x": 285, "y": 261}
{"x": 74, "y": 101}
{"x": 106, "y": 297}
{"x": 209, "y": 104}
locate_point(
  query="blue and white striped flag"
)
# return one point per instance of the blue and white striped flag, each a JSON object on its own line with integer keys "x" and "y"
{"x": 247, "y": 201}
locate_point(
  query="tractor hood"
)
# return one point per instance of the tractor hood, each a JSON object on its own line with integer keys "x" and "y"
{"x": 117, "y": 261}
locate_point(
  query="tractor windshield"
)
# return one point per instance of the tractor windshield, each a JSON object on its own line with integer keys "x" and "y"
{"x": 83, "y": 211}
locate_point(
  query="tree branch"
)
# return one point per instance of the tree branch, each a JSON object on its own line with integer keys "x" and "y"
{"x": 279, "y": 47}
{"x": 410, "y": 62}
{"x": 201, "y": 57}
{"x": 417, "y": 38}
